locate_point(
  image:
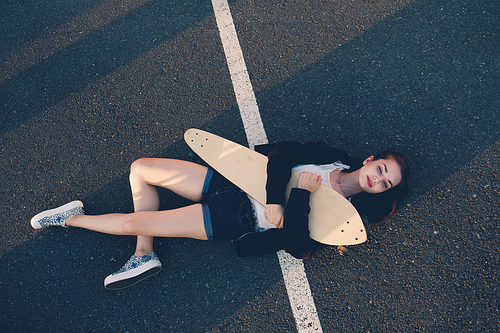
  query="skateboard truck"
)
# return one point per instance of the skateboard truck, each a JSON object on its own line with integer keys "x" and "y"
{"x": 343, "y": 250}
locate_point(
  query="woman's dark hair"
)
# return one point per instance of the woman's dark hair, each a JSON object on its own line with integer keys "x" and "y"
{"x": 380, "y": 207}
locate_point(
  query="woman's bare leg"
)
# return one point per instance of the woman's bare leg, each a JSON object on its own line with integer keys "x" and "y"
{"x": 144, "y": 245}
{"x": 142, "y": 202}
{"x": 181, "y": 222}
{"x": 181, "y": 177}
{"x": 144, "y": 173}
{"x": 184, "y": 178}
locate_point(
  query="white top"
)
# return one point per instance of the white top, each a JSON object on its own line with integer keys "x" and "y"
{"x": 323, "y": 170}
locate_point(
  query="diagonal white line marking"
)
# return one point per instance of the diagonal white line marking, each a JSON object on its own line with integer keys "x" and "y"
{"x": 242, "y": 86}
{"x": 299, "y": 291}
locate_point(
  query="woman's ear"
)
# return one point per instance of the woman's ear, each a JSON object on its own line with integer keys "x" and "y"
{"x": 368, "y": 159}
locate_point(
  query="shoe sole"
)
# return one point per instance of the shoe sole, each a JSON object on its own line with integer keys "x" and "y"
{"x": 127, "y": 282}
{"x": 73, "y": 204}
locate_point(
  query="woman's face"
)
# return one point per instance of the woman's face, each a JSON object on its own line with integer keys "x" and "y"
{"x": 380, "y": 175}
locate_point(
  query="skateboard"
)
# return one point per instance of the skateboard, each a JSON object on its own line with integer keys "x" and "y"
{"x": 333, "y": 220}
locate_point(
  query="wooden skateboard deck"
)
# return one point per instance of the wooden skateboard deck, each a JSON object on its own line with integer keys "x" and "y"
{"x": 333, "y": 220}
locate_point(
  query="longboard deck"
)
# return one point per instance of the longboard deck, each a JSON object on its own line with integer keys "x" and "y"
{"x": 333, "y": 220}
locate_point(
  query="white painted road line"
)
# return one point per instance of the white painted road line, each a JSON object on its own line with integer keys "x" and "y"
{"x": 299, "y": 291}
{"x": 242, "y": 86}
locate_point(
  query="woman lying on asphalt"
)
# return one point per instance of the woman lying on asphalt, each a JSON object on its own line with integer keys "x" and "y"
{"x": 222, "y": 211}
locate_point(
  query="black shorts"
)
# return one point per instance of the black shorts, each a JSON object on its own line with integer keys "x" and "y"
{"x": 227, "y": 211}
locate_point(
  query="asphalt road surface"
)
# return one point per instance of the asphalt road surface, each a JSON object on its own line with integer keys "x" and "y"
{"x": 88, "y": 86}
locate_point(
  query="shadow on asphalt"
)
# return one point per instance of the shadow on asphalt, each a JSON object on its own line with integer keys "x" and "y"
{"x": 101, "y": 52}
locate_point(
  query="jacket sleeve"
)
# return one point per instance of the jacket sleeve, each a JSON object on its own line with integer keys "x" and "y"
{"x": 285, "y": 156}
{"x": 296, "y": 226}
{"x": 259, "y": 243}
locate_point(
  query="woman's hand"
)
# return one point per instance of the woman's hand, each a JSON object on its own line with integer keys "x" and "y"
{"x": 274, "y": 214}
{"x": 309, "y": 181}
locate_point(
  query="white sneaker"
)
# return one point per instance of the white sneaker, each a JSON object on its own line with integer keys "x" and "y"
{"x": 135, "y": 270}
{"x": 57, "y": 216}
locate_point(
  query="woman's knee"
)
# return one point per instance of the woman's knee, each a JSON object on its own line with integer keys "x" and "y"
{"x": 129, "y": 227}
{"x": 138, "y": 165}
{"x": 138, "y": 169}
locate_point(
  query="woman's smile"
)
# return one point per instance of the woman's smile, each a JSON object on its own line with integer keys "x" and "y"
{"x": 368, "y": 181}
